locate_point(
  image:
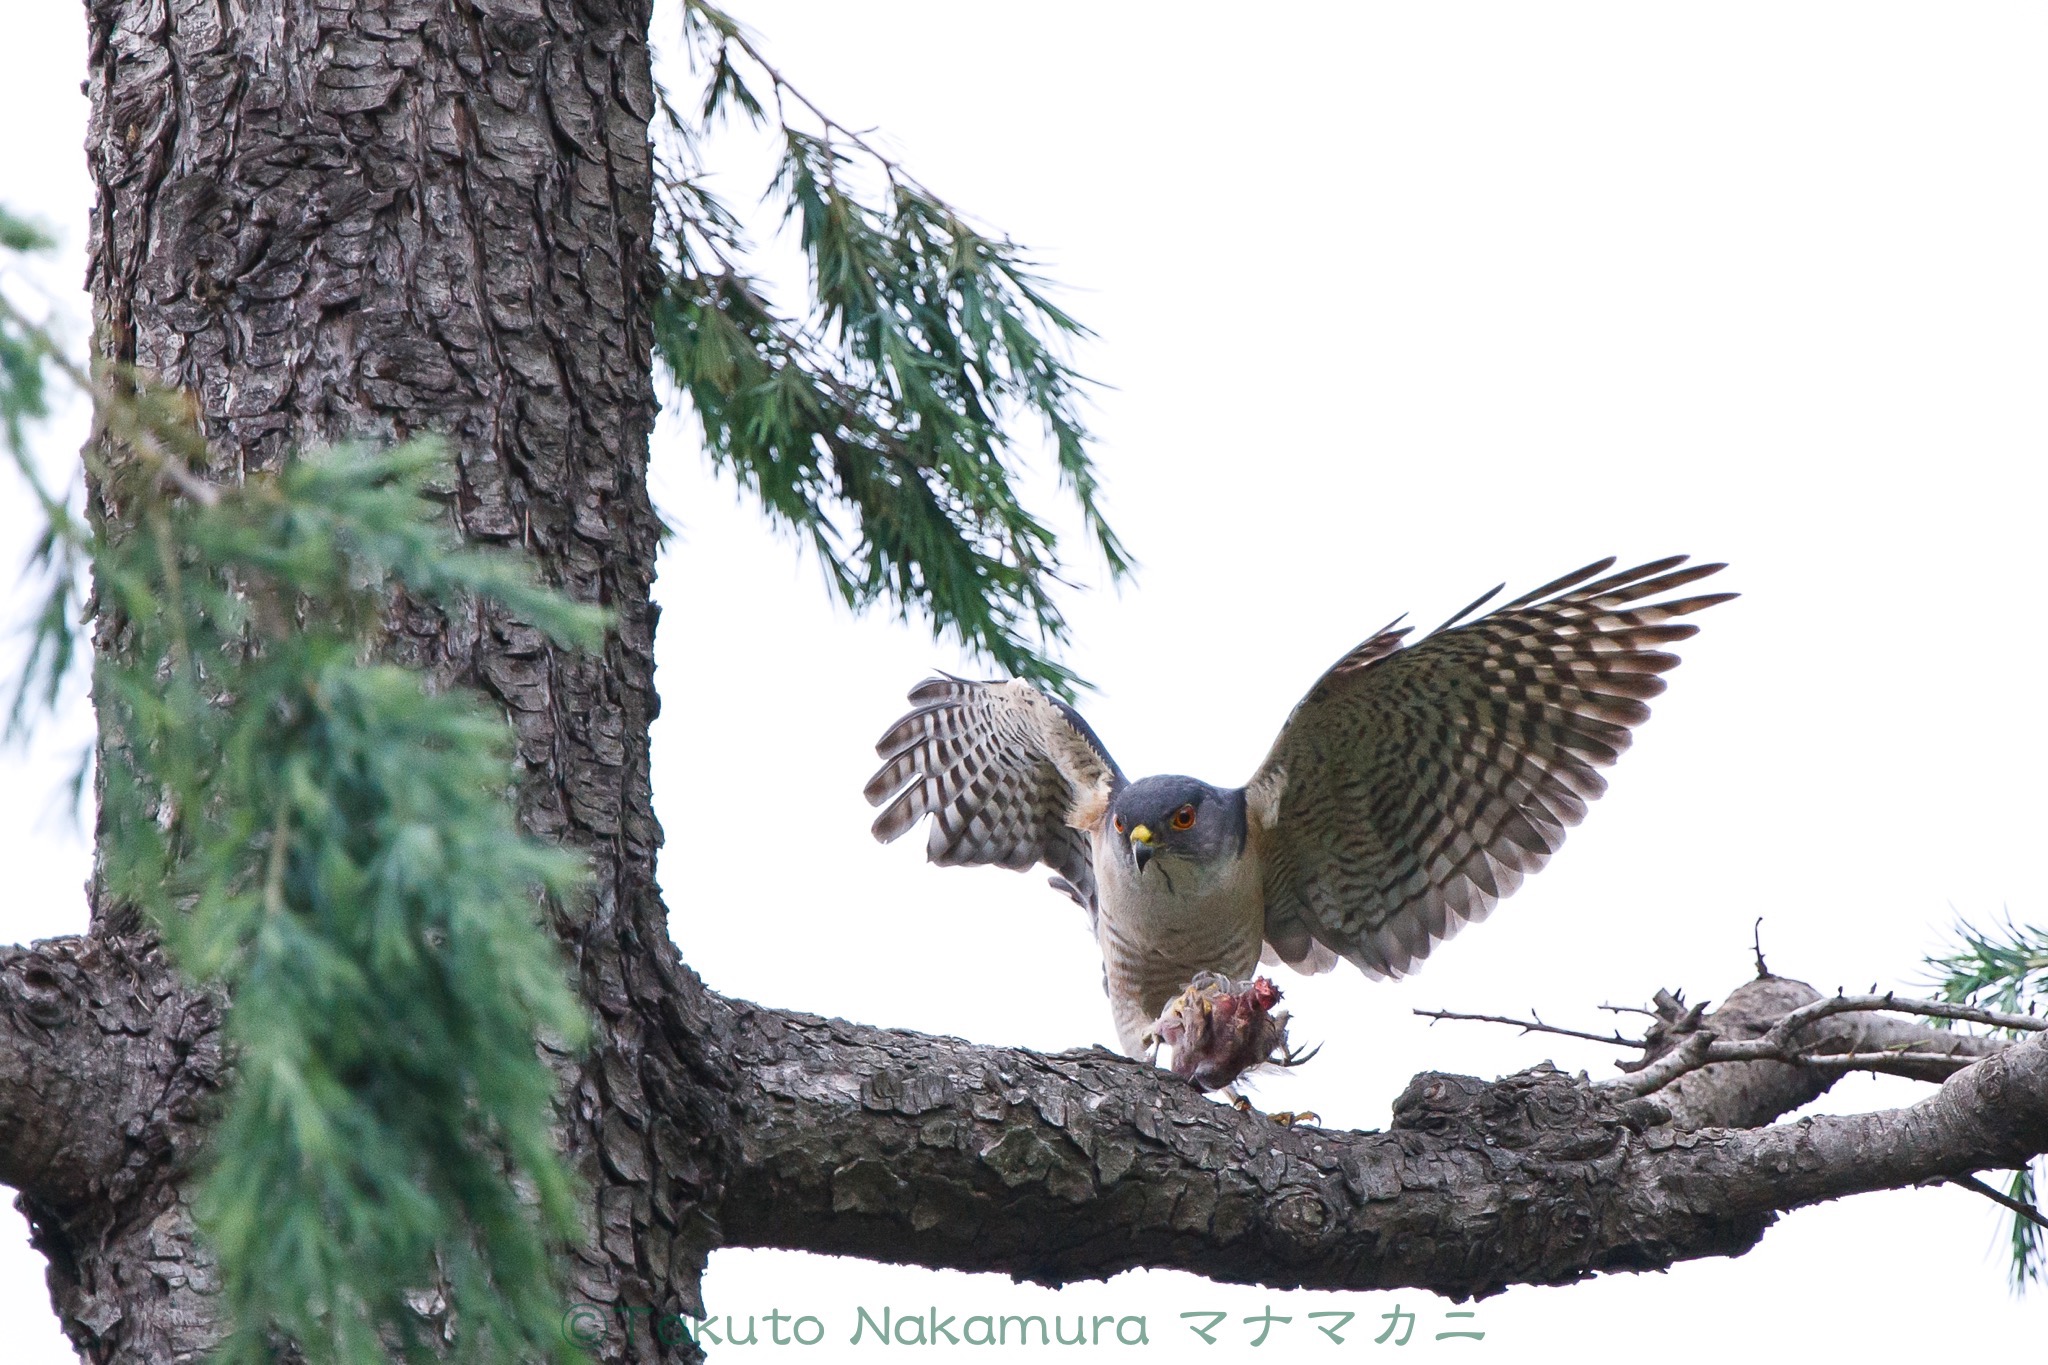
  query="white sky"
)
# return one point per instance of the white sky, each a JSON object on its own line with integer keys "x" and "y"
{"x": 1396, "y": 302}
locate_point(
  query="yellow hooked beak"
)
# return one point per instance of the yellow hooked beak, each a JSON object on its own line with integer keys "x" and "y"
{"x": 1141, "y": 848}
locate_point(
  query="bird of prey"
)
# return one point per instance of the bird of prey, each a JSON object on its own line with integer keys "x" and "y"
{"x": 1408, "y": 792}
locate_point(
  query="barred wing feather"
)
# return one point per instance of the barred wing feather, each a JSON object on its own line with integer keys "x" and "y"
{"x": 1413, "y": 789}
{"x": 1010, "y": 777}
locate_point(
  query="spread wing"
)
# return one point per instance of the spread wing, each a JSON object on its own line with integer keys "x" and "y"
{"x": 1414, "y": 788}
{"x": 1009, "y": 776}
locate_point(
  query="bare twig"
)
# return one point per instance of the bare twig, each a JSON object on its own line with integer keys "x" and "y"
{"x": 2018, "y": 1206}
{"x": 1756, "y": 942}
{"x": 1689, "y": 1055}
{"x": 731, "y": 31}
{"x": 1891, "y": 1001}
{"x": 1533, "y": 1024}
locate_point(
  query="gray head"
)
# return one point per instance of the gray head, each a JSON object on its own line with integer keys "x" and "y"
{"x": 1180, "y": 819}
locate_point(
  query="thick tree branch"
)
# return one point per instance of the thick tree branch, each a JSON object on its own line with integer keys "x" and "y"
{"x": 99, "y": 1043}
{"x": 932, "y": 1151}
{"x": 108, "y": 1063}
{"x": 1080, "y": 1165}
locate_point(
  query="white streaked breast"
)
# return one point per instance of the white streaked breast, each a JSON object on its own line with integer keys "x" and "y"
{"x": 1154, "y": 940}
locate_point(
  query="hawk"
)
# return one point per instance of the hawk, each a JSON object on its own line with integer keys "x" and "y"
{"x": 1412, "y": 789}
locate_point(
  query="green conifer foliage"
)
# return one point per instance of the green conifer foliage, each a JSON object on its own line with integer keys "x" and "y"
{"x": 2006, "y": 969}
{"x": 873, "y": 421}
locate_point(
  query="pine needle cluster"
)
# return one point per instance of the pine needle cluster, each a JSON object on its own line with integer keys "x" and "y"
{"x": 2006, "y": 969}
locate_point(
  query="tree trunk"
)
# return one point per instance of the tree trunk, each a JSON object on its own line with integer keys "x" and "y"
{"x": 373, "y": 220}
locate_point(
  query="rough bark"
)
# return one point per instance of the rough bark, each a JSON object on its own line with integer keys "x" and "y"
{"x": 107, "y": 1061}
{"x": 365, "y": 219}
{"x": 865, "y": 1141}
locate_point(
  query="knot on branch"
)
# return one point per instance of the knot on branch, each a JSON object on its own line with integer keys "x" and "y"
{"x": 1750, "y": 1011}
{"x": 1673, "y": 1021}
{"x": 43, "y": 983}
{"x": 1541, "y": 1112}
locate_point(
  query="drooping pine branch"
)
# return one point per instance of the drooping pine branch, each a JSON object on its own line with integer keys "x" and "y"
{"x": 24, "y": 349}
{"x": 874, "y": 420}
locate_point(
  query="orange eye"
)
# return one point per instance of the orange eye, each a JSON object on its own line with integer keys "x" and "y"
{"x": 1119, "y": 823}
{"x": 1184, "y": 818}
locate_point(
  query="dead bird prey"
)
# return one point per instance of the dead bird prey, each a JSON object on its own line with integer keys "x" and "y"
{"x": 1219, "y": 1029}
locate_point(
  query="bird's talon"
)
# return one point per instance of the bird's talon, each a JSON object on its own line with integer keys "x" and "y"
{"x": 1241, "y": 1104}
{"x": 1307, "y": 1117}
